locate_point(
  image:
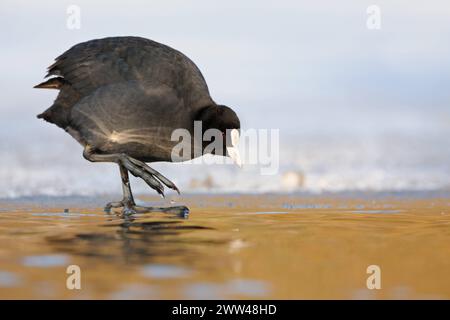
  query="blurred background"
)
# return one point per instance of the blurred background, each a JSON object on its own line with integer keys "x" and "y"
{"x": 357, "y": 109}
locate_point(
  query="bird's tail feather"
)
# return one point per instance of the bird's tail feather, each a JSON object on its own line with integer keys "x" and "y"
{"x": 53, "y": 83}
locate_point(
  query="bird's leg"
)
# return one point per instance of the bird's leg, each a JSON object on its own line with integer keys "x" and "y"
{"x": 139, "y": 169}
{"x": 127, "y": 204}
{"x": 130, "y": 207}
{"x": 128, "y": 199}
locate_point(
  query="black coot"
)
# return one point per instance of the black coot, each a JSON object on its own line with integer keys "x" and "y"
{"x": 123, "y": 97}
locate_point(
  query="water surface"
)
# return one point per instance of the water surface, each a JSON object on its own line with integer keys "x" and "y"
{"x": 230, "y": 246}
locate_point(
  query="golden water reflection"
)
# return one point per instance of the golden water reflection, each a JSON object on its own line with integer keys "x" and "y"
{"x": 270, "y": 246}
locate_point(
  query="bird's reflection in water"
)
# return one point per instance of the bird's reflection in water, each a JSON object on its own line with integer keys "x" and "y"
{"x": 136, "y": 239}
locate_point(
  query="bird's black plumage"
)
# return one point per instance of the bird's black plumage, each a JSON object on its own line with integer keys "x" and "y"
{"x": 124, "y": 96}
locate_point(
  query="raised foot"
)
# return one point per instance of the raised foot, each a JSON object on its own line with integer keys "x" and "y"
{"x": 153, "y": 178}
{"x": 129, "y": 209}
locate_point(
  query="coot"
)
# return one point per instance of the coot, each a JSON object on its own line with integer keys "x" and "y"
{"x": 122, "y": 98}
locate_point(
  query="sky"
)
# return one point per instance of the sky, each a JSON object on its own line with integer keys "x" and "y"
{"x": 313, "y": 70}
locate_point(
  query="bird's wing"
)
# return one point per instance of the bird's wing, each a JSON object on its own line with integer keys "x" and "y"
{"x": 93, "y": 64}
{"x": 101, "y": 121}
{"x": 89, "y": 65}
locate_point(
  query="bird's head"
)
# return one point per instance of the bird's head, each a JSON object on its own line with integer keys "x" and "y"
{"x": 225, "y": 120}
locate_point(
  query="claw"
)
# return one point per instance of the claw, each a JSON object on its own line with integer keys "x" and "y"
{"x": 156, "y": 174}
{"x": 181, "y": 211}
{"x": 127, "y": 211}
{"x": 111, "y": 205}
{"x": 137, "y": 171}
{"x": 153, "y": 183}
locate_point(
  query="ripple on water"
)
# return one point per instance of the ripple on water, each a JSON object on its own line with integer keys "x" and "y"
{"x": 236, "y": 287}
{"x": 135, "y": 291}
{"x": 271, "y": 212}
{"x": 65, "y": 214}
{"x": 46, "y": 261}
{"x": 164, "y": 271}
{"x": 306, "y": 206}
{"x": 376, "y": 211}
{"x": 9, "y": 279}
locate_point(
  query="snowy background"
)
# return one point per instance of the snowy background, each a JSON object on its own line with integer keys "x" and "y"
{"x": 357, "y": 109}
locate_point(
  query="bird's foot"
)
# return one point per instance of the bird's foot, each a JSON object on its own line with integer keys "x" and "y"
{"x": 152, "y": 177}
{"x": 130, "y": 208}
{"x": 125, "y": 204}
{"x": 181, "y": 211}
